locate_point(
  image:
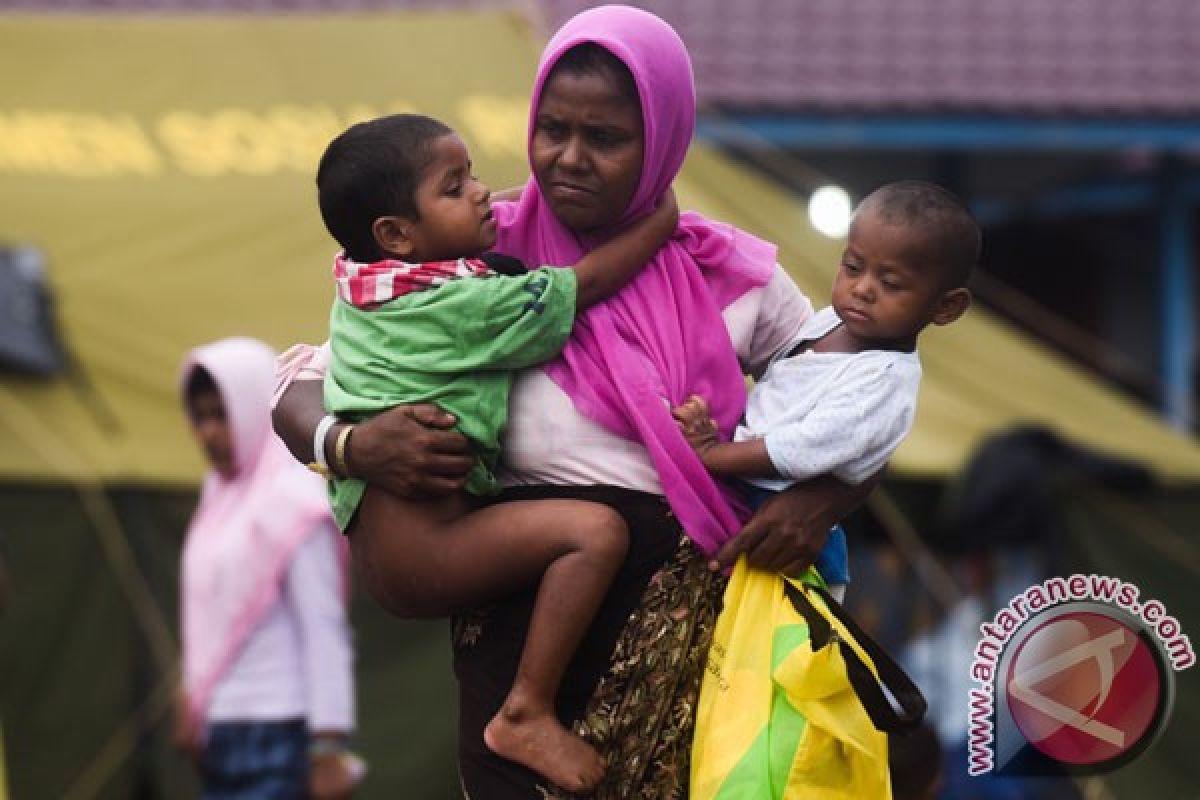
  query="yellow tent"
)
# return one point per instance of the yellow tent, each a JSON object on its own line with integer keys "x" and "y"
{"x": 164, "y": 166}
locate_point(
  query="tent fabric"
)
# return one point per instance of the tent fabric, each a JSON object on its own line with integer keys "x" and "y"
{"x": 79, "y": 676}
{"x": 165, "y": 167}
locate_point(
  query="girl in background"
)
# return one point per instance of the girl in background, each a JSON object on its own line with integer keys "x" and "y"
{"x": 268, "y": 688}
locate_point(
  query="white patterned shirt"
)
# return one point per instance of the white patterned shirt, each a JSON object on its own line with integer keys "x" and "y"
{"x": 831, "y": 413}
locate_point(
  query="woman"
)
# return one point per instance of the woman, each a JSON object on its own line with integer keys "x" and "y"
{"x": 268, "y": 695}
{"x": 613, "y": 116}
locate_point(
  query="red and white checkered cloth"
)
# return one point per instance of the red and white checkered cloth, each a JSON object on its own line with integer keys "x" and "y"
{"x": 368, "y": 286}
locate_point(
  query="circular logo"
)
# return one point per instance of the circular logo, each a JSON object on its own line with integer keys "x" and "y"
{"x": 1086, "y": 688}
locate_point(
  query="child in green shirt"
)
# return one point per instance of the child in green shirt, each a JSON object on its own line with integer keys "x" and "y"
{"x": 419, "y": 318}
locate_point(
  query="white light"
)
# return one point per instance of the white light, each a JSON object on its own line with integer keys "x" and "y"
{"x": 829, "y": 211}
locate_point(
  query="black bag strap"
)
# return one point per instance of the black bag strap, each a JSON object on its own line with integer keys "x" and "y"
{"x": 868, "y": 688}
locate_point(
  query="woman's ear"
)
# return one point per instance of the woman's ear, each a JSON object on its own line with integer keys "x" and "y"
{"x": 952, "y": 305}
{"x": 393, "y": 235}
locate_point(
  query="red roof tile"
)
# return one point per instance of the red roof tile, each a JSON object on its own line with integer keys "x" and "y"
{"x": 1005, "y": 56}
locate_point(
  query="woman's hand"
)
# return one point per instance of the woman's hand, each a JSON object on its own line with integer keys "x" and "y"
{"x": 407, "y": 450}
{"x": 788, "y": 532}
{"x": 410, "y": 452}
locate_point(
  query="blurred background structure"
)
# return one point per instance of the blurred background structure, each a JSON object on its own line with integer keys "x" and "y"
{"x": 156, "y": 191}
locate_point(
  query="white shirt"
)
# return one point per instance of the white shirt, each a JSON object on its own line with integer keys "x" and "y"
{"x": 548, "y": 442}
{"x": 298, "y": 661}
{"x": 839, "y": 413}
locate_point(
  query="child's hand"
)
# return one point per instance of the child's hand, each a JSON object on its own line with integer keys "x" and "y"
{"x": 665, "y": 216}
{"x": 185, "y": 733}
{"x": 334, "y": 776}
{"x": 697, "y": 424}
{"x": 510, "y": 195}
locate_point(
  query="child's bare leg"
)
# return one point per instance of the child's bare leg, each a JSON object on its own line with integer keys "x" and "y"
{"x": 527, "y": 729}
{"x": 428, "y": 558}
{"x": 392, "y": 541}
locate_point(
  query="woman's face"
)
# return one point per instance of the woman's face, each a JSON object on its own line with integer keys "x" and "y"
{"x": 587, "y": 148}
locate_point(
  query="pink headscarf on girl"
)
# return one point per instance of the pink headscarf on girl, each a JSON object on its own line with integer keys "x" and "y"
{"x": 245, "y": 531}
{"x": 662, "y": 337}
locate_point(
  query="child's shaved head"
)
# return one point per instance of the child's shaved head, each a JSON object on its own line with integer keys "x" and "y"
{"x": 952, "y": 236}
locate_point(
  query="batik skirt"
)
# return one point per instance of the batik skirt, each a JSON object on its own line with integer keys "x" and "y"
{"x": 631, "y": 688}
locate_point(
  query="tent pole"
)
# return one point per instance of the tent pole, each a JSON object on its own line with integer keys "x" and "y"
{"x": 937, "y": 579}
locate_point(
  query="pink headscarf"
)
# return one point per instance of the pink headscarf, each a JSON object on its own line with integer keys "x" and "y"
{"x": 662, "y": 337}
{"x": 246, "y": 529}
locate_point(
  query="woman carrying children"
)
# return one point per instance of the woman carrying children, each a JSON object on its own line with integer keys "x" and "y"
{"x": 613, "y": 116}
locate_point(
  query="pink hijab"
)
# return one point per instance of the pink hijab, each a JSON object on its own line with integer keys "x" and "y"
{"x": 246, "y": 529}
{"x": 662, "y": 337}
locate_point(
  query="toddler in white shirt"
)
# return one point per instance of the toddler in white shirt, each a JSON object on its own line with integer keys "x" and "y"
{"x": 841, "y": 396}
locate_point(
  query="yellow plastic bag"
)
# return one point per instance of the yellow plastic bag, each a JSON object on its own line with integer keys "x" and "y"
{"x": 791, "y": 704}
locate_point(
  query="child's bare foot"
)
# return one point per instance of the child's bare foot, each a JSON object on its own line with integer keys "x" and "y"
{"x": 538, "y": 741}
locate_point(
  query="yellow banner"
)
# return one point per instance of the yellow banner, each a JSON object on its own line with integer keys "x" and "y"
{"x": 226, "y": 141}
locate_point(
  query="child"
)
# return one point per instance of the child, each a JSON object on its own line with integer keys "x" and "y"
{"x": 842, "y": 396}
{"x": 419, "y": 319}
{"x": 268, "y": 664}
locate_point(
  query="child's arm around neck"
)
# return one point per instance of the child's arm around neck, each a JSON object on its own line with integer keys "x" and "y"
{"x": 602, "y": 272}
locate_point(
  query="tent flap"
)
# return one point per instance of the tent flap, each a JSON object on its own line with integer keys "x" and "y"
{"x": 164, "y": 165}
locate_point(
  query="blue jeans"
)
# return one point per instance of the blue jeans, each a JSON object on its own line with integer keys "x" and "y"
{"x": 833, "y": 562}
{"x": 255, "y": 761}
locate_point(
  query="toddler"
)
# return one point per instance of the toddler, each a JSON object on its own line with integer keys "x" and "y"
{"x": 841, "y": 397}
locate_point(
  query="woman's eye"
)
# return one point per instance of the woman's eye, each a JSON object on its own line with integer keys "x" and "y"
{"x": 607, "y": 138}
{"x": 853, "y": 269}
